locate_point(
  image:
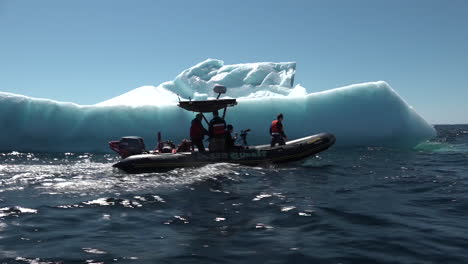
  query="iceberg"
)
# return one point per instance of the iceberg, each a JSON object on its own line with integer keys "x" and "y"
{"x": 242, "y": 80}
{"x": 367, "y": 114}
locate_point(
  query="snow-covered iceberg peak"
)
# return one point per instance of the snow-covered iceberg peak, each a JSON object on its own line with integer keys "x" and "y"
{"x": 242, "y": 80}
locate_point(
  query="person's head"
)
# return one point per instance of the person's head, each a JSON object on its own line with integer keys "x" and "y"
{"x": 229, "y": 128}
{"x": 215, "y": 113}
{"x": 199, "y": 117}
{"x": 280, "y": 117}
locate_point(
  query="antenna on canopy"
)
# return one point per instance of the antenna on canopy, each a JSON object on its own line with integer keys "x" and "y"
{"x": 219, "y": 89}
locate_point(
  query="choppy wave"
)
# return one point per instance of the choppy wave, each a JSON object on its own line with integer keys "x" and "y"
{"x": 89, "y": 174}
{"x": 352, "y": 205}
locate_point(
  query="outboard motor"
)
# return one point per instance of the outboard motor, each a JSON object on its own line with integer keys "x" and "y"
{"x": 128, "y": 146}
{"x": 165, "y": 146}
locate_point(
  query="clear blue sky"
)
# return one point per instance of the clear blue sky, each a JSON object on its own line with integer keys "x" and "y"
{"x": 88, "y": 51}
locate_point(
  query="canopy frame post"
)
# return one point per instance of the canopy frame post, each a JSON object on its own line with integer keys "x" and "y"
{"x": 224, "y": 112}
{"x": 206, "y": 120}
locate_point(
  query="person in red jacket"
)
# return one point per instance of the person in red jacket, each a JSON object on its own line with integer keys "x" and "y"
{"x": 277, "y": 131}
{"x": 198, "y": 132}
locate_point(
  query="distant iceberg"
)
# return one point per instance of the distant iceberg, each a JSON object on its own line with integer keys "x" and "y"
{"x": 368, "y": 114}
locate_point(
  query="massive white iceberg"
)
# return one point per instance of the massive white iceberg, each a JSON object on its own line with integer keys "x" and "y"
{"x": 368, "y": 114}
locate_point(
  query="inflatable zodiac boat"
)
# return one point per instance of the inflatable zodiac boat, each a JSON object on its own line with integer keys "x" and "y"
{"x": 167, "y": 157}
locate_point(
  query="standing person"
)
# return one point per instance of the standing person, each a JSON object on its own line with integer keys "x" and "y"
{"x": 277, "y": 131}
{"x": 198, "y": 132}
{"x": 217, "y": 132}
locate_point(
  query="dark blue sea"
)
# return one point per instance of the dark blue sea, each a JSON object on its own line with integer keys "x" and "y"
{"x": 354, "y": 205}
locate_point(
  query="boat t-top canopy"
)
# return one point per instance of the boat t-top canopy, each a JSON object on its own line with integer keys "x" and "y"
{"x": 207, "y": 106}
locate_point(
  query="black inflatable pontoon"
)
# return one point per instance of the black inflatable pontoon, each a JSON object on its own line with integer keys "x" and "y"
{"x": 293, "y": 150}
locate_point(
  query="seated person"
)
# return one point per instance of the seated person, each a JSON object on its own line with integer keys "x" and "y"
{"x": 230, "y": 140}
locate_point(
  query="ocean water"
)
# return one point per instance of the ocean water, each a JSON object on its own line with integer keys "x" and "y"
{"x": 346, "y": 205}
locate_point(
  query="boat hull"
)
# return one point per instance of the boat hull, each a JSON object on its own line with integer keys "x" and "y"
{"x": 293, "y": 150}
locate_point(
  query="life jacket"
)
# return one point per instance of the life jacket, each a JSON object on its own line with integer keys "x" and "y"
{"x": 275, "y": 127}
{"x": 196, "y": 130}
{"x": 219, "y": 129}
